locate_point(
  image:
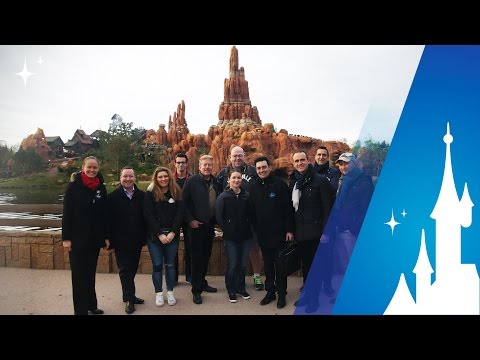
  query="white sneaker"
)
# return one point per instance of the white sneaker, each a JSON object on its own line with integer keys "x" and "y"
{"x": 159, "y": 299}
{"x": 170, "y": 298}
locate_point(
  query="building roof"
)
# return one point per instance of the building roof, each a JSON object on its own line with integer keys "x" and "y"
{"x": 70, "y": 143}
{"x": 51, "y": 139}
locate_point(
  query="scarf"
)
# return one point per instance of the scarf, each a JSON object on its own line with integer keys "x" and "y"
{"x": 89, "y": 182}
{"x": 301, "y": 181}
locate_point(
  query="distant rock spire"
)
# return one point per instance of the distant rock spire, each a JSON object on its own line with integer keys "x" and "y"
{"x": 177, "y": 125}
{"x": 236, "y": 107}
{"x": 233, "y": 62}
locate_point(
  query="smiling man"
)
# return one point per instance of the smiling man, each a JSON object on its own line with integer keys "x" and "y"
{"x": 127, "y": 233}
{"x": 312, "y": 201}
{"x": 271, "y": 214}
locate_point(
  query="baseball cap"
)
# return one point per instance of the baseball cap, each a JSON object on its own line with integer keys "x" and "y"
{"x": 347, "y": 157}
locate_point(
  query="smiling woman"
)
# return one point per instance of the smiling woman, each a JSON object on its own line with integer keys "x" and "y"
{"x": 84, "y": 232}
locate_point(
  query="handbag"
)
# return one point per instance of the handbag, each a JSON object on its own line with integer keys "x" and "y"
{"x": 289, "y": 259}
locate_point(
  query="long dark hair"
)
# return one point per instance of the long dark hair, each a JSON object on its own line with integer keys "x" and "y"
{"x": 172, "y": 185}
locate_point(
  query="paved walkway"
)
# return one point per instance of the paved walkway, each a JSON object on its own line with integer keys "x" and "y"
{"x": 49, "y": 292}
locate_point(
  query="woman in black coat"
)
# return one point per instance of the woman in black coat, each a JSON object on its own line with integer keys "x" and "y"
{"x": 84, "y": 232}
{"x": 164, "y": 215}
{"x": 231, "y": 212}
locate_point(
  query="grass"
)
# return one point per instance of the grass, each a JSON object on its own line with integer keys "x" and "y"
{"x": 39, "y": 180}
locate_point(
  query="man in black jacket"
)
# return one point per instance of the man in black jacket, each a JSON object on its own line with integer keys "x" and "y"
{"x": 127, "y": 233}
{"x": 272, "y": 219}
{"x": 200, "y": 194}
{"x": 312, "y": 201}
{"x": 322, "y": 167}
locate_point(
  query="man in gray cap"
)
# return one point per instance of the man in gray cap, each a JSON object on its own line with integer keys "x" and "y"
{"x": 355, "y": 190}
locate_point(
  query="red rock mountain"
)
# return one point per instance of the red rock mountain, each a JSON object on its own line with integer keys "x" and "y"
{"x": 238, "y": 124}
{"x": 38, "y": 142}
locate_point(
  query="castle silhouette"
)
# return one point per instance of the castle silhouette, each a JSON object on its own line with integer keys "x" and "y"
{"x": 456, "y": 286}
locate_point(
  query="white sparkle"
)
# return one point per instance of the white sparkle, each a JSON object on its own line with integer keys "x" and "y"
{"x": 392, "y": 223}
{"x": 40, "y": 60}
{"x": 25, "y": 74}
{"x": 404, "y": 213}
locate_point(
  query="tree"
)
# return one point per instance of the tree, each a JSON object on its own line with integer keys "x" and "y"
{"x": 116, "y": 146}
{"x": 5, "y": 155}
{"x": 27, "y": 162}
{"x": 373, "y": 156}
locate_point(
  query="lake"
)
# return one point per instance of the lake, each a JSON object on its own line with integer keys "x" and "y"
{"x": 30, "y": 196}
{"x": 29, "y": 220}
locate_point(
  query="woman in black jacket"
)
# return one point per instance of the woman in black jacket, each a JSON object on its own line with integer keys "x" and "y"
{"x": 164, "y": 214}
{"x": 231, "y": 212}
{"x": 84, "y": 232}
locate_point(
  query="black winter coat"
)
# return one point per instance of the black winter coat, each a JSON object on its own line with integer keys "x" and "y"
{"x": 85, "y": 218}
{"x": 163, "y": 214}
{"x": 195, "y": 195}
{"x": 271, "y": 211}
{"x": 314, "y": 209}
{"x": 231, "y": 212}
{"x": 127, "y": 224}
{"x": 331, "y": 173}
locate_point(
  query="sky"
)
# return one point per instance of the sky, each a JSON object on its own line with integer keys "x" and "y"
{"x": 326, "y": 92}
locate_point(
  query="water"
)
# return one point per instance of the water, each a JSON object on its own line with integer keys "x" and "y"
{"x": 29, "y": 197}
{"x": 23, "y": 196}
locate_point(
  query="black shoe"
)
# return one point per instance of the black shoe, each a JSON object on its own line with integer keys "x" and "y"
{"x": 209, "y": 289}
{"x": 268, "y": 299}
{"x": 129, "y": 307}
{"x": 281, "y": 302}
{"x": 136, "y": 301}
{"x": 197, "y": 299}
{"x": 244, "y": 294}
{"x": 96, "y": 312}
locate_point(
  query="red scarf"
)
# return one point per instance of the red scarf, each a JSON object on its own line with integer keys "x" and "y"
{"x": 89, "y": 182}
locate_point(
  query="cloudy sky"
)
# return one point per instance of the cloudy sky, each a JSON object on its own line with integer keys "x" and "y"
{"x": 321, "y": 91}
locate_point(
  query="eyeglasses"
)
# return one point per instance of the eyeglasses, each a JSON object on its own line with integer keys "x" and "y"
{"x": 180, "y": 162}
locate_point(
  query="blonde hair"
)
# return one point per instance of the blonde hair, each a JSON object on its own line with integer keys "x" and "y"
{"x": 91, "y": 157}
{"x": 205, "y": 157}
{"x": 172, "y": 185}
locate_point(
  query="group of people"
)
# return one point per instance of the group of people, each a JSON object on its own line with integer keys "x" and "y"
{"x": 258, "y": 212}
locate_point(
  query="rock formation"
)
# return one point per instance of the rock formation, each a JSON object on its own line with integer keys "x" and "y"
{"x": 38, "y": 142}
{"x": 177, "y": 126}
{"x": 236, "y": 107}
{"x": 239, "y": 124}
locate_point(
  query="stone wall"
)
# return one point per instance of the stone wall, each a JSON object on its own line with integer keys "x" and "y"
{"x": 44, "y": 250}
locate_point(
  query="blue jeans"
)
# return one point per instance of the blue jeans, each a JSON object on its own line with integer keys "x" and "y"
{"x": 237, "y": 259}
{"x": 158, "y": 253}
